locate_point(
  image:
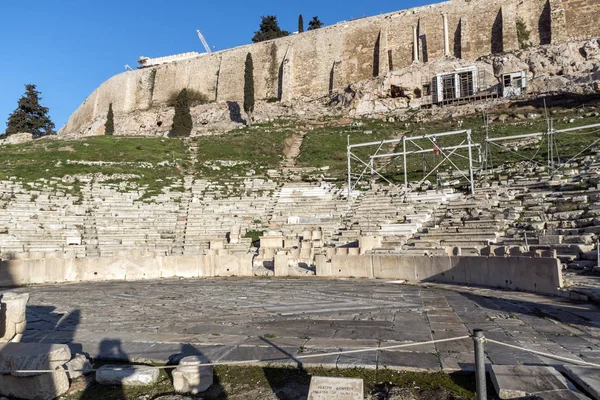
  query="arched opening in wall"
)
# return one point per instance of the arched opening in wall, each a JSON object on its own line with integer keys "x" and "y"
{"x": 458, "y": 40}
{"x": 545, "y": 24}
{"x": 376, "y": 56}
{"x": 497, "y": 39}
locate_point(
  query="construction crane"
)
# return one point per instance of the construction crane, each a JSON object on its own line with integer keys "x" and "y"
{"x": 201, "y": 37}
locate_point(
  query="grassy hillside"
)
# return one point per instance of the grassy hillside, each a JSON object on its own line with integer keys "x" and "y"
{"x": 157, "y": 162}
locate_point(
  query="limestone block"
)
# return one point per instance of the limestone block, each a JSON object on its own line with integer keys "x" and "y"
{"x": 40, "y": 387}
{"x": 272, "y": 242}
{"x": 368, "y": 243}
{"x": 126, "y": 375}
{"x": 78, "y": 366}
{"x": 32, "y": 356}
{"x": 190, "y": 377}
{"x": 12, "y": 316}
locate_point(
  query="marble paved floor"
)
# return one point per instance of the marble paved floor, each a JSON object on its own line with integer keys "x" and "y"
{"x": 276, "y": 320}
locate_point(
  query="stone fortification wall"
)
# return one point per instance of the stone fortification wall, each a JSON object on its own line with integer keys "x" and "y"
{"x": 310, "y": 65}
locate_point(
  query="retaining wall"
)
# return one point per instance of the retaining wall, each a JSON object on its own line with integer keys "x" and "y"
{"x": 312, "y": 64}
{"x": 537, "y": 275}
{"x": 58, "y": 270}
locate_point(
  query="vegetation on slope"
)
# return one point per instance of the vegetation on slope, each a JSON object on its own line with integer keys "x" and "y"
{"x": 254, "y": 150}
{"x": 56, "y": 159}
{"x": 257, "y": 148}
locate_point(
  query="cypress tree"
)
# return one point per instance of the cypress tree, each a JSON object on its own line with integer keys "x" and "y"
{"x": 182, "y": 120}
{"x": 249, "y": 87}
{"x": 109, "y": 126}
{"x": 30, "y": 116}
{"x": 300, "y": 24}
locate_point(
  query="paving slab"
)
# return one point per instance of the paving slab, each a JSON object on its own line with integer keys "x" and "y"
{"x": 586, "y": 377}
{"x": 228, "y": 318}
{"x": 518, "y": 381}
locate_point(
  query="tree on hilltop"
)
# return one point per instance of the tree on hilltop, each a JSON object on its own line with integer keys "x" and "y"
{"x": 300, "y": 24}
{"x": 30, "y": 116}
{"x": 182, "y": 120}
{"x": 315, "y": 23}
{"x": 269, "y": 29}
{"x": 109, "y": 126}
{"x": 249, "y": 87}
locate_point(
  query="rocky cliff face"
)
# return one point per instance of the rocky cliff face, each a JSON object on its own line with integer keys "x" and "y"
{"x": 571, "y": 67}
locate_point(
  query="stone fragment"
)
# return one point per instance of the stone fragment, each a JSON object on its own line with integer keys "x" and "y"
{"x": 32, "y": 356}
{"x": 126, "y": 375}
{"x": 78, "y": 366}
{"x": 586, "y": 377}
{"x": 517, "y": 381}
{"x": 40, "y": 387}
{"x": 190, "y": 377}
{"x": 12, "y": 316}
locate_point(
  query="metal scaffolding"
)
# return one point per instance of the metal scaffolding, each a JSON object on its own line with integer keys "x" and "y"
{"x": 415, "y": 142}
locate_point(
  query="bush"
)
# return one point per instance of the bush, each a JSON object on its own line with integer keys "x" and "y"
{"x": 195, "y": 98}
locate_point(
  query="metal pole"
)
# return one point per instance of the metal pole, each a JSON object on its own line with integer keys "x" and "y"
{"x": 598, "y": 253}
{"x": 349, "y": 176}
{"x": 479, "y": 341}
{"x": 405, "y": 173}
{"x": 471, "y": 163}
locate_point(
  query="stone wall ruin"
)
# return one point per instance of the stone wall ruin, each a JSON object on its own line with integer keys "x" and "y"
{"x": 311, "y": 65}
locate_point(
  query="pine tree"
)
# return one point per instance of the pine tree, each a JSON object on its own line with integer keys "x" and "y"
{"x": 300, "y": 24}
{"x": 182, "y": 120}
{"x": 109, "y": 126}
{"x": 315, "y": 23}
{"x": 249, "y": 87}
{"x": 269, "y": 29}
{"x": 30, "y": 116}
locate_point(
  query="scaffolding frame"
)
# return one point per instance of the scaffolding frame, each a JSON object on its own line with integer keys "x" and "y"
{"x": 552, "y": 158}
{"x": 447, "y": 152}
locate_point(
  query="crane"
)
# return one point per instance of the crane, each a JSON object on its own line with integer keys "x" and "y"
{"x": 201, "y": 37}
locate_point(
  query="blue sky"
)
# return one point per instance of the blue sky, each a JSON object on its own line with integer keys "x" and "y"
{"x": 69, "y": 47}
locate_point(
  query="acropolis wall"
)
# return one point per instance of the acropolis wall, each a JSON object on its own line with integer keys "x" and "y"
{"x": 312, "y": 64}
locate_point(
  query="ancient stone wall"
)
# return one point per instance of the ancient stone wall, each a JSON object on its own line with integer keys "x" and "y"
{"x": 312, "y": 64}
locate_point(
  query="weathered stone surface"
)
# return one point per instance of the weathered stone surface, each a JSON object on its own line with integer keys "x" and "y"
{"x": 46, "y": 386}
{"x": 32, "y": 356}
{"x": 516, "y": 381}
{"x": 586, "y": 377}
{"x": 127, "y": 375}
{"x": 190, "y": 377}
{"x": 12, "y": 316}
{"x": 328, "y": 60}
{"x": 78, "y": 366}
{"x": 16, "y": 138}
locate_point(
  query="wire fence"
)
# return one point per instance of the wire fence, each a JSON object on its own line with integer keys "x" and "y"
{"x": 318, "y": 355}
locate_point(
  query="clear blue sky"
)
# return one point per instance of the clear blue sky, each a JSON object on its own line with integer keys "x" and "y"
{"x": 69, "y": 47}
